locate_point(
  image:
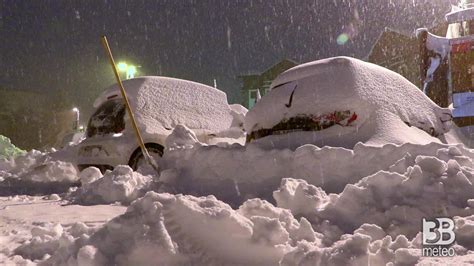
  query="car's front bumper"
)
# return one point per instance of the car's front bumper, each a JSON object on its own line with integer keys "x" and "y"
{"x": 107, "y": 151}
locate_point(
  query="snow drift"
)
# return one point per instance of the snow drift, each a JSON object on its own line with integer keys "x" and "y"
{"x": 385, "y": 107}
{"x": 311, "y": 206}
{"x": 38, "y": 172}
{"x": 120, "y": 185}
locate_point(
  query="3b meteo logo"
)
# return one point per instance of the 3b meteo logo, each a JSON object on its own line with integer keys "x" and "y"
{"x": 438, "y": 236}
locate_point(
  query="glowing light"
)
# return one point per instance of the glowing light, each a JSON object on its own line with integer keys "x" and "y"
{"x": 342, "y": 39}
{"x": 131, "y": 71}
{"x": 75, "y": 123}
{"x": 122, "y": 66}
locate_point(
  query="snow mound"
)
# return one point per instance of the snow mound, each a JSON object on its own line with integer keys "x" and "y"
{"x": 234, "y": 174}
{"x": 238, "y": 112}
{"x": 36, "y": 173}
{"x": 7, "y": 149}
{"x": 181, "y": 136}
{"x": 161, "y": 103}
{"x": 164, "y": 229}
{"x": 40, "y": 166}
{"x": 50, "y": 238}
{"x": 53, "y": 171}
{"x": 385, "y": 107}
{"x": 120, "y": 185}
{"x": 396, "y": 202}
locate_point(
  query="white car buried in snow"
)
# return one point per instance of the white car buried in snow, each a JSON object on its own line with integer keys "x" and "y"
{"x": 341, "y": 101}
{"x": 159, "y": 105}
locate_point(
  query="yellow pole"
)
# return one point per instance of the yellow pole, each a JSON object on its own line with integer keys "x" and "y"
{"x": 106, "y": 46}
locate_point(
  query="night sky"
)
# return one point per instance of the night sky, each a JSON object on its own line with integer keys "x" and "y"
{"x": 52, "y": 46}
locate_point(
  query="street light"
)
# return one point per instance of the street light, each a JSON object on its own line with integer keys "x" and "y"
{"x": 129, "y": 70}
{"x": 122, "y": 67}
{"x": 75, "y": 123}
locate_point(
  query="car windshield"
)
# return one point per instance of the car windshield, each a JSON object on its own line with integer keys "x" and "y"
{"x": 107, "y": 119}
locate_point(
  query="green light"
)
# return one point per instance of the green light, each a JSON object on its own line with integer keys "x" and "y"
{"x": 122, "y": 67}
{"x": 342, "y": 39}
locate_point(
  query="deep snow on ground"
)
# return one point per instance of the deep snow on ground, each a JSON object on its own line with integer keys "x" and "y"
{"x": 311, "y": 206}
{"x": 228, "y": 204}
{"x": 31, "y": 227}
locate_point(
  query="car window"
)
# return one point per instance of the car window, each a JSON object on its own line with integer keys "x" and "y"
{"x": 107, "y": 119}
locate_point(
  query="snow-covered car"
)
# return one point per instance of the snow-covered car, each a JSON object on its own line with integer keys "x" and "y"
{"x": 341, "y": 101}
{"x": 159, "y": 105}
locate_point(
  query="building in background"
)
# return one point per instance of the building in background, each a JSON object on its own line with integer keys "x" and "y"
{"x": 253, "y": 83}
{"x": 400, "y": 52}
{"x": 33, "y": 120}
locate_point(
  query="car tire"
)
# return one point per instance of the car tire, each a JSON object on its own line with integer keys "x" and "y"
{"x": 137, "y": 158}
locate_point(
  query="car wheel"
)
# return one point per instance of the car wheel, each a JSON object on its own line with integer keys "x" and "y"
{"x": 137, "y": 159}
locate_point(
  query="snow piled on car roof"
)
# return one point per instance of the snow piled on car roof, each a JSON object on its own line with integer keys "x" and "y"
{"x": 161, "y": 103}
{"x": 384, "y": 102}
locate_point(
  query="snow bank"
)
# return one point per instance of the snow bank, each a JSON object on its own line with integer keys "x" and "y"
{"x": 236, "y": 173}
{"x": 120, "y": 185}
{"x": 161, "y": 103}
{"x": 164, "y": 229}
{"x": 49, "y": 238}
{"x": 7, "y": 149}
{"x": 391, "y": 186}
{"x": 238, "y": 112}
{"x": 38, "y": 172}
{"x": 36, "y": 166}
{"x": 181, "y": 137}
{"x": 388, "y": 107}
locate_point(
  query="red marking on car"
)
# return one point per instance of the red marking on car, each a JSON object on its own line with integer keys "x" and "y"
{"x": 112, "y": 96}
{"x": 352, "y": 119}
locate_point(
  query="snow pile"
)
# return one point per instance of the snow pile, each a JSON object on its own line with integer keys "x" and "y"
{"x": 161, "y": 103}
{"x": 236, "y": 173}
{"x": 238, "y": 112}
{"x": 181, "y": 137}
{"x": 48, "y": 238}
{"x": 395, "y": 202}
{"x": 387, "y": 107}
{"x": 7, "y": 149}
{"x": 55, "y": 171}
{"x": 164, "y": 229}
{"x": 37, "y": 167}
{"x": 120, "y": 185}
{"x": 401, "y": 181}
{"x": 342, "y": 207}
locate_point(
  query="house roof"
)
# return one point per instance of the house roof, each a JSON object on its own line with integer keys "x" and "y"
{"x": 254, "y": 74}
{"x": 460, "y": 15}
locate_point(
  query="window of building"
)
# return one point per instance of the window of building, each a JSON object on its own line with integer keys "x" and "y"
{"x": 252, "y": 98}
